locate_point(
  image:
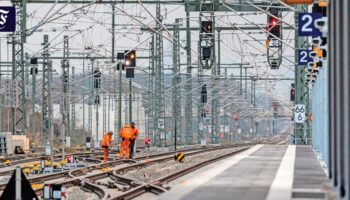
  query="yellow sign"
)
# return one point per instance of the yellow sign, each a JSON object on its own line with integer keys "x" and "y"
{"x": 179, "y": 157}
{"x": 37, "y": 186}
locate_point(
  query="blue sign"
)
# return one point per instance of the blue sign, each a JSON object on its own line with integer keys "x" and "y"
{"x": 307, "y": 24}
{"x": 7, "y": 19}
{"x": 304, "y": 56}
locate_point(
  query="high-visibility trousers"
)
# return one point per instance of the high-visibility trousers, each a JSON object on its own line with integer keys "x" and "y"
{"x": 125, "y": 146}
{"x": 105, "y": 154}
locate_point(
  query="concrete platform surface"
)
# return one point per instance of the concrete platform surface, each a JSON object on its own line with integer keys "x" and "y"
{"x": 262, "y": 172}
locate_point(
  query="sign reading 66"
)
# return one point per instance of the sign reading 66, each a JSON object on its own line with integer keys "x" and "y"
{"x": 299, "y": 113}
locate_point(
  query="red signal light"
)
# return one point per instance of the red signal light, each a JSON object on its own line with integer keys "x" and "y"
{"x": 274, "y": 21}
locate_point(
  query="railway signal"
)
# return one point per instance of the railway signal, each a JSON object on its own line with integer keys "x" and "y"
{"x": 274, "y": 37}
{"x": 292, "y": 92}
{"x": 97, "y": 78}
{"x": 130, "y": 58}
{"x": 207, "y": 28}
{"x": 274, "y": 26}
{"x": 204, "y": 94}
{"x": 206, "y": 42}
{"x": 130, "y": 63}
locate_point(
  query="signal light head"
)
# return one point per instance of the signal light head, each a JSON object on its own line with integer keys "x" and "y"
{"x": 130, "y": 58}
{"x": 274, "y": 21}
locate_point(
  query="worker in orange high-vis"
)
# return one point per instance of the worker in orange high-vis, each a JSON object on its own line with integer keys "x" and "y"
{"x": 133, "y": 139}
{"x": 126, "y": 134}
{"x": 106, "y": 144}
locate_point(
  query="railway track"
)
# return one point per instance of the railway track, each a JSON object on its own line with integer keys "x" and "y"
{"x": 69, "y": 173}
{"x": 80, "y": 177}
{"x": 87, "y": 178}
{"x": 159, "y": 185}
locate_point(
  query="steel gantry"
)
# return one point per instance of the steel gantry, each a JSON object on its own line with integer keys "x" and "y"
{"x": 65, "y": 130}
{"x": 300, "y": 80}
{"x": 151, "y": 92}
{"x": 91, "y": 99}
{"x": 176, "y": 87}
{"x": 19, "y": 110}
{"x": 207, "y": 59}
{"x": 188, "y": 84}
{"x": 46, "y": 108}
{"x": 160, "y": 136}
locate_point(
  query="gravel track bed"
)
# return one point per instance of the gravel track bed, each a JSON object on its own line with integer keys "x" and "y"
{"x": 156, "y": 171}
{"x": 75, "y": 193}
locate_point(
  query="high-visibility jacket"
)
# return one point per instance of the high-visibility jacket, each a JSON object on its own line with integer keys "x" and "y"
{"x": 126, "y": 132}
{"x": 107, "y": 139}
{"x": 135, "y": 132}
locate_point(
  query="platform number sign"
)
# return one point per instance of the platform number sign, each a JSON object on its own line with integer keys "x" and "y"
{"x": 307, "y": 24}
{"x": 304, "y": 56}
{"x": 299, "y": 113}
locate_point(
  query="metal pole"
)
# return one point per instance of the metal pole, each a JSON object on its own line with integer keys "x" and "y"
{"x": 175, "y": 135}
{"x": 65, "y": 130}
{"x": 176, "y": 91}
{"x": 33, "y": 102}
{"x": 97, "y": 103}
{"x": 130, "y": 101}
{"x": 97, "y": 120}
{"x": 116, "y": 103}
{"x": 241, "y": 80}
{"x": 188, "y": 86}
{"x": 50, "y": 109}
{"x": 299, "y": 81}
{"x": 120, "y": 97}
{"x": 109, "y": 107}
{"x": 219, "y": 54}
{"x": 153, "y": 88}
{"x": 245, "y": 83}
{"x": 13, "y": 108}
{"x": 84, "y": 133}
{"x": 72, "y": 117}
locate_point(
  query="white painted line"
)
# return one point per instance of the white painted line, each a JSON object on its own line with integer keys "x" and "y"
{"x": 206, "y": 173}
{"x": 282, "y": 185}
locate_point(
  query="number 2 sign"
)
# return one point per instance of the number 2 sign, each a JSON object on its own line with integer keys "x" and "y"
{"x": 304, "y": 56}
{"x": 307, "y": 24}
